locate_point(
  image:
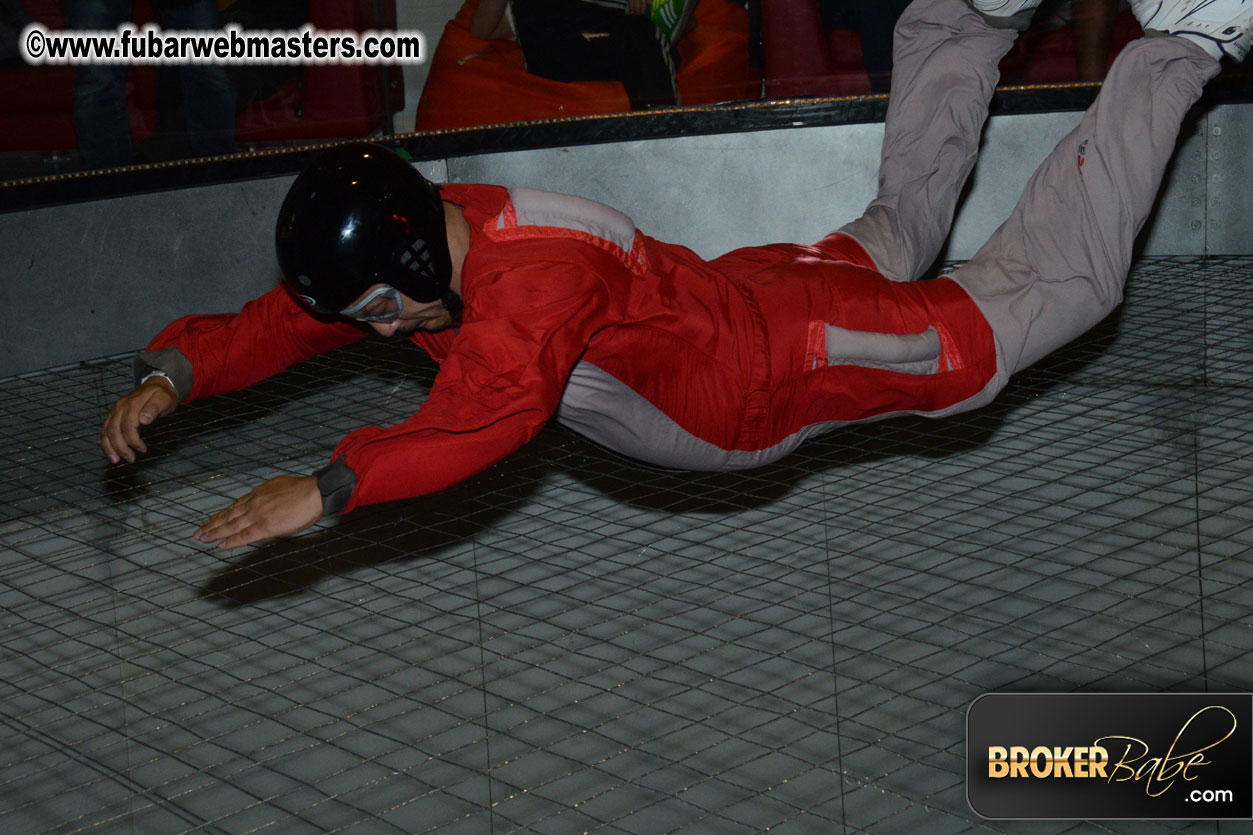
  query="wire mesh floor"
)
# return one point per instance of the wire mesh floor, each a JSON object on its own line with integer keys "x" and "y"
{"x": 572, "y": 643}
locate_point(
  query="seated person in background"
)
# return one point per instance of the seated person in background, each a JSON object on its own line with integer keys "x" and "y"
{"x": 1094, "y": 34}
{"x": 101, "y": 118}
{"x": 13, "y": 19}
{"x": 632, "y": 41}
{"x": 874, "y": 23}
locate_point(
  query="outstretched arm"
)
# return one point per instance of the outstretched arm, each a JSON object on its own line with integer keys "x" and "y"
{"x": 282, "y": 506}
{"x": 197, "y": 356}
{"x": 501, "y": 382}
{"x": 208, "y": 355}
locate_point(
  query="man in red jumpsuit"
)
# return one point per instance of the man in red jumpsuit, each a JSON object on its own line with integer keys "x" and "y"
{"x": 570, "y": 311}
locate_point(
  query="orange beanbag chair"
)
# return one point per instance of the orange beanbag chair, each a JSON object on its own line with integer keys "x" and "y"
{"x": 477, "y": 82}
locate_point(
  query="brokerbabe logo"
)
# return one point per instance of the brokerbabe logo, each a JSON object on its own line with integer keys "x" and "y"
{"x": 1115, "y": 755}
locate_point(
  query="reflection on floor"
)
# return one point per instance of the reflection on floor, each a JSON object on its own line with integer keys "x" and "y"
{"x": 572, "y": 643}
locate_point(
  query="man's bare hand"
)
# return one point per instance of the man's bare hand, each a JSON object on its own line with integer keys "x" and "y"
{"x": 282, "y": 506}
{"x": 120, "y": 436}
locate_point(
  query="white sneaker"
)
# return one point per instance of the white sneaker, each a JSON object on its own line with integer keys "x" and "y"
{"x": 1220, "y": 27}
{"x": 1006, "y": 14}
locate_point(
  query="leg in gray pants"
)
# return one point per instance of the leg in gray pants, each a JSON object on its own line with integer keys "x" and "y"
{"x": 944, "y": 71}
{"x": 1057, "y": 266}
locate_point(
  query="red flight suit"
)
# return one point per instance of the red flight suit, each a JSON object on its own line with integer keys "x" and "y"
{"x": 639, "y": 344}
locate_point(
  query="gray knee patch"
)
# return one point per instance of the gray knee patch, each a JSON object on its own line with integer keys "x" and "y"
{"x": 914, "y": 353}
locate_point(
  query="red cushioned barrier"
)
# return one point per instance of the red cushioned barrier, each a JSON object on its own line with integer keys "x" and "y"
{"x": 36, "y": 103}
{"x": 1048, "y": 56}
{"x": 800, "y": 63}
{"x": 336, "y": 100}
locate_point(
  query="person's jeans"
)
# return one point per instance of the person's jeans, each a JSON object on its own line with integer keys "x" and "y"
{"x": 100, "y": 113}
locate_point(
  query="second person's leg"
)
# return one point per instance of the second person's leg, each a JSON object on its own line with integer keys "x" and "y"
{"x": 101, "y": 117}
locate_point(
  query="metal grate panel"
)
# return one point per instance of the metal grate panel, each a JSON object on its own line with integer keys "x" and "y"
{"x": 570, "y": 642}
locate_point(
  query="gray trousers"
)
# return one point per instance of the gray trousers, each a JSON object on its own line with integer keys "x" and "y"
{"x": 1057, "y": 266}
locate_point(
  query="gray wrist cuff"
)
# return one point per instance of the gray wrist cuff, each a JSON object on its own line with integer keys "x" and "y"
{"x": 170, "y": 361}
{"x": 336, "y": 481}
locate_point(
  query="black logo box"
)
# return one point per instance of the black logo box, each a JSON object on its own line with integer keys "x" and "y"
{"x": 1219, "y": 784}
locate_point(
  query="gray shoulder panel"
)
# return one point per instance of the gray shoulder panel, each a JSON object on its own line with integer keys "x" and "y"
{"x": 544, "y": 208}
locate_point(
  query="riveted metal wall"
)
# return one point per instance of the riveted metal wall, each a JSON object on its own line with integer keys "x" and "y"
{"x": 1177, "y": 227}
{"x": 1229, "y": 161}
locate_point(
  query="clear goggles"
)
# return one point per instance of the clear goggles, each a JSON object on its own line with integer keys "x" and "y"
{"x": 384, "y": 302}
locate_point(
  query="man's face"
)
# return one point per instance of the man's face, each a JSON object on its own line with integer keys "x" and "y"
{"x": 412, "y": 316}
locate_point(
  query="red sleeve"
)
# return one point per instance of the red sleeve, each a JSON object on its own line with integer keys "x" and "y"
{"x": 232, "y": 351}
{"x": 502, "y": 380}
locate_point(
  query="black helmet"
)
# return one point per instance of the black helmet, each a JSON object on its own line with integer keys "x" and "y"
{"x": 361, "y": 215}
